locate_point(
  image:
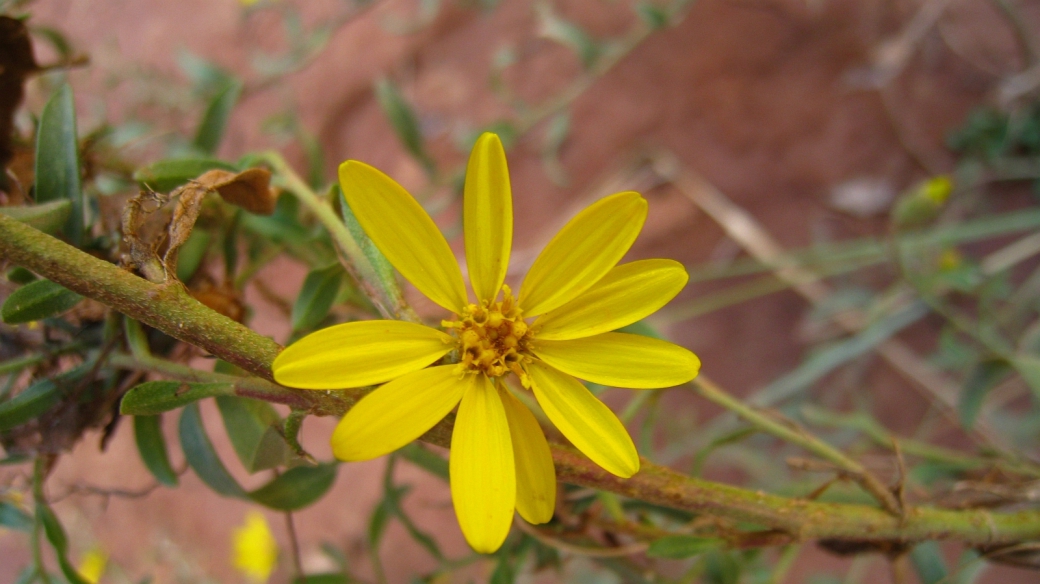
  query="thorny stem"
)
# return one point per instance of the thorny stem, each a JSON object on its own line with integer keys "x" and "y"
{"x": 172, "y": 311}
{"x": 856, "y": 471}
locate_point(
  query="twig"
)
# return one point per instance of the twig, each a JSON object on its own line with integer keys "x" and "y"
{"x": 591, "y": 552}
{"x": 294, "y": 546}
{"x": 742, "y": 227}
{"x": 790, "y": 433}
{"x": 192, "y": 322}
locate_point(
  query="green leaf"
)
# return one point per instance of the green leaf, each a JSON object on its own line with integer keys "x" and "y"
{"x": 251, "y": 425}
{"x": 296, "y": 488}
{"x": 57, "y": 159}
{"x": 565, "y": 32}
{"x": 48, "y": 217}
{"x": 18, "y": 363}
{"x": 12, "y": 517}
{"x": 655, "y": 17}
{"x": 1029, "y": 368}
{"x": 983, "y": 377}
{"x": 29, "y": 404}
{"x": 838, "y": 353}
{"x": 928, "y": 563}
{"x": 503, "y": 573}
{"x": 58, "y": 540}
{"x": 214, "y": 121}
{"x": 316, "y": 297}
{"x": 426, "y": 459}
{"x": 151, "y": 445}
{"x": 36, "y": 301}
{"x": 20, "y": 275}
{"x": 156, "y": 397}
{"x": 191, "y": 254}
{"x": 404, "y": 121}
{"x": 202, "y": 458}
{"x": 677, "y": 547}
{"x": 380, "y": 265}
{"x": 166, "y": 175}
{"x": 322, "y": 579}
{"x": 377, "y": 524}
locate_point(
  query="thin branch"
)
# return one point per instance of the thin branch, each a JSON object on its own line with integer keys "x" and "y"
{"x": 180, "y": 316}
{"x": 798, "y": 436}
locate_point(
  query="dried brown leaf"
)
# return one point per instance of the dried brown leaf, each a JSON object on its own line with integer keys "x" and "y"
{"x": 249, "y": 189}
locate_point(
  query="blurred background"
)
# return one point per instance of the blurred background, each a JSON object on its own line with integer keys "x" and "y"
{"x": 786, "y": 148}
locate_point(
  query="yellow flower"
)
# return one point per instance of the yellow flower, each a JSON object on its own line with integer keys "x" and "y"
{"x": 255, "y": 549}
{"x": 500, "y": 459}
{"x": 92, "y": 565}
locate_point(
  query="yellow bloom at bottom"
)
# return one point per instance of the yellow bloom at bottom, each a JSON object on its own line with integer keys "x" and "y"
{"x": 92, "y": 565}
{"x": 255, "y": 550}
{"x": 556, "y": 330}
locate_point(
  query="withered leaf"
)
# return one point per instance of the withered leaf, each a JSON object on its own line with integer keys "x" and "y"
{"x": 249, "y": 189}
{"x": 146, "y": 231}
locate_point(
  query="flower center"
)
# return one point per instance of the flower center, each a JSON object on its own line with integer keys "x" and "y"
{"x": 493, "y": 337}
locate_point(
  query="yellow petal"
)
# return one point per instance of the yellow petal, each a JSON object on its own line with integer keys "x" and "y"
{"x": 535, "y": 472}
{"x": 590, "y": 426}
{"x": 483, "y": 475}
{"x": 487, "y": 216}
{"x": 621, "y": 360}
{"x": 356, "y": 354}
{"x": 582, "y": 252}
{"x": 397, "y": 413}
{"x": 405, "y": 234}
{"x": 626, "y": 294}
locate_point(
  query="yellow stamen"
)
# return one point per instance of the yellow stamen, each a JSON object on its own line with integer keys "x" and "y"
{"x": 493, "y": 337}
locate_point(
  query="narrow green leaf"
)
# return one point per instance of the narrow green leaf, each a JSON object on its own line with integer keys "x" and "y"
{"x": 322, "y": 579}
{"x": 48, "y": 217}
{"x": 838, "y": 353}
{"x": 250, "y": 425}
{"x": 1029, "y": 368}
{"x": 380, "y": 265}
{"x": 36, "y": 301}
{"x": 18, "y": 363}
{"x": 426, "y": 459}
{"x": 156, "y": 397}
{"x": 296, "y": 488}
{"x": 12, "y": 517}
{"x": 404, "y": 121}
{"x": 166, "y": 175}
{"x": 565, "y": 32}
{"x": 377, "y": 524}
{"x": 983, "y": 377}
{"x": 20, "y": 275}
{"x": 57, "y": 159}
{"x": 151, "y": 445}
{"x": 928, "y": 563}
{"x": 27, "y": 576}
{"x": 655, "y": 17}
{"x": 214, "y": 121}
{"x": 29, "y": 404}
{"x": 59, "y": 541}
{"x": 191, "y": 254}
{"x": 677, "y": 547}
{"x": 316, "y": 297}
{"x": 202, "y": 458}
{"x": 503, "y": 573}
